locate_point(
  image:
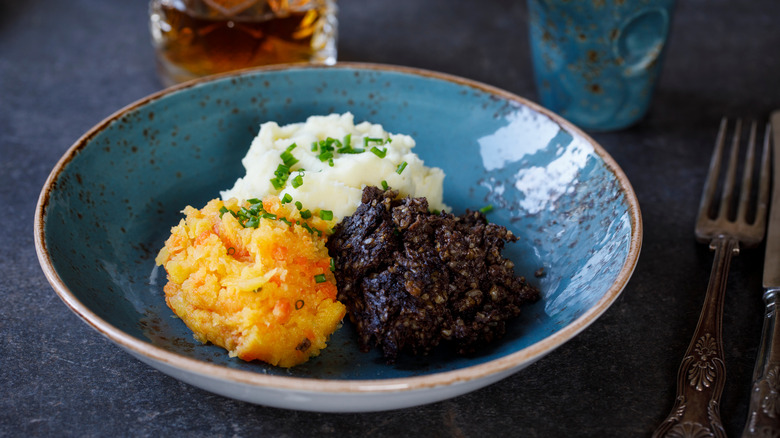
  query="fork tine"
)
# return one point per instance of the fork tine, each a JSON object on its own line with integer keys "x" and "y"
{"x": 747, "y": 175}
{"x": 731, "y": 173}
{"x": 711, "y": 184}
{"x": 762, "y": 203}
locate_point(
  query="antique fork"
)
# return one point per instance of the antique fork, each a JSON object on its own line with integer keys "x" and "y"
{"x": 702, "y": 373}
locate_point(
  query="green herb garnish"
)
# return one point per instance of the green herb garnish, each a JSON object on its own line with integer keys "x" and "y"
{"x": 287, "y": 157}
{"x": 320, "y": 278}
{"x": 326, "y": 215}
{"x": 400, "y": 168}
{"x": 252, "y": 222}
{"x": 282, "y": 172}
{"x": 381, "y": 153}
{"x": 298, "y": 180}
{"x": 367, "y": 140}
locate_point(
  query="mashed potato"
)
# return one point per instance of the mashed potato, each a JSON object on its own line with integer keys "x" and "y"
{"x": 362, "y": 155}
{"x": 264, "y": 292}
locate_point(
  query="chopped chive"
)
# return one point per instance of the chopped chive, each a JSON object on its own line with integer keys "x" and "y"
{"x": 282, "y": 173}
{"x": 320, "y": 278}
{"x": 254, "y": 201}
{"x": 384, "y": 185}
{"x": 253, "y": 222}
{"x": 288, "y": 159}
{"x": 291, "y": 147}
{"x": 330, "y": 162}
{"x": 348, "y": 140}
{"x": 298, "y": 205}
{"x": 313, "y": 146}
{"x": 487, "y": 208}
{"x": 325, "y": 156}
{"x": 287, "y": 198}
{"x": 297, "y": 181}
{"x": 269, "y": 216}
{"x": 222, "y": 211}
{"x": 326, "y": 215}
{"x": 400, "y": 168}
{"x": 306, "y": 227}
{"x": 379, "y": 152}
{"x": 367, "y": 140}
{"x": 305, "y": 214}
{"x": 285, "y": 221}
{"x": 332, "y": 265}
{"x": 282, "y": 170}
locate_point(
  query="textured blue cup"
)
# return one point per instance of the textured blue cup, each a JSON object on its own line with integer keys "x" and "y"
{"x": 597, "y": 62}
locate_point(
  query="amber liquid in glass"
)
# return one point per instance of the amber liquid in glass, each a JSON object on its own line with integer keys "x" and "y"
{"x": 206, "y": 45}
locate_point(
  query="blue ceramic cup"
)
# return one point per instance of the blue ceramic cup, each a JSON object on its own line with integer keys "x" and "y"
{"x": 596, "y": 62}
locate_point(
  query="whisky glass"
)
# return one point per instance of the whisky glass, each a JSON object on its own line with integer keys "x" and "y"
{"x": 196, "y": 38}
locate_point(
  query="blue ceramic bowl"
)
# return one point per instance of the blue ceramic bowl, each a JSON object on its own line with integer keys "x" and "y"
{"x": 110, "y": 202}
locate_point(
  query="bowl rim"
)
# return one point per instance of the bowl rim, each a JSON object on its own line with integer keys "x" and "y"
{"x": 505, "y": 364}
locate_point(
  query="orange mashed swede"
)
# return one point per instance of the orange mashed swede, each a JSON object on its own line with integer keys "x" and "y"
{"x": 264, "y": 293}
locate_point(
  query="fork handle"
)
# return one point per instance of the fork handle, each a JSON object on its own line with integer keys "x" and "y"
{"x": 702, "y": 373}
{"x": 764, "y": 412}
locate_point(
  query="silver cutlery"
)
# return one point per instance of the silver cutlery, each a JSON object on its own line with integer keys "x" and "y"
{"x": 764, "y": 412}
{"x": 702, "y": 373}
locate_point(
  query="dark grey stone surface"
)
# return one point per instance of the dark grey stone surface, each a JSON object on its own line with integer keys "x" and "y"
{"x": 65, "y": 65}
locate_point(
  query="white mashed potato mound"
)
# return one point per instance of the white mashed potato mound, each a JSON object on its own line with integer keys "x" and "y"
{"x": 339, "y": 187}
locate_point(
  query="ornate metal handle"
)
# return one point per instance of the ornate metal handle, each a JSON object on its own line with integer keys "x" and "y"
{"x": 702, "y": 374}
{"x": 764, "y": 413}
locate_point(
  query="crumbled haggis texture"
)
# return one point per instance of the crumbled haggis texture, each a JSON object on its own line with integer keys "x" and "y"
{"x": 412, "y": 279}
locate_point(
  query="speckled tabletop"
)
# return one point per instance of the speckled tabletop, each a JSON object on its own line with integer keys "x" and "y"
{"x": 64, "y": 66}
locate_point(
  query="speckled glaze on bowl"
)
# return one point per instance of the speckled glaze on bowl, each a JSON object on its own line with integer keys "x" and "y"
{"x": 109, "y": 203}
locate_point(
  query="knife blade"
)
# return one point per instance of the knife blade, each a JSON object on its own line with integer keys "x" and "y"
{"x": 772, "y": 256}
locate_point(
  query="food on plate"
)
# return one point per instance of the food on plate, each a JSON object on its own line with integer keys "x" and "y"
{"x": 412, "y": 279}
{"x": 254, "y": 278}
{"x": 326, "y": 161}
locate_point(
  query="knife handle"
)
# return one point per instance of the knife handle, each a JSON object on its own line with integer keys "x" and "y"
{"x": 764, "y": 412}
